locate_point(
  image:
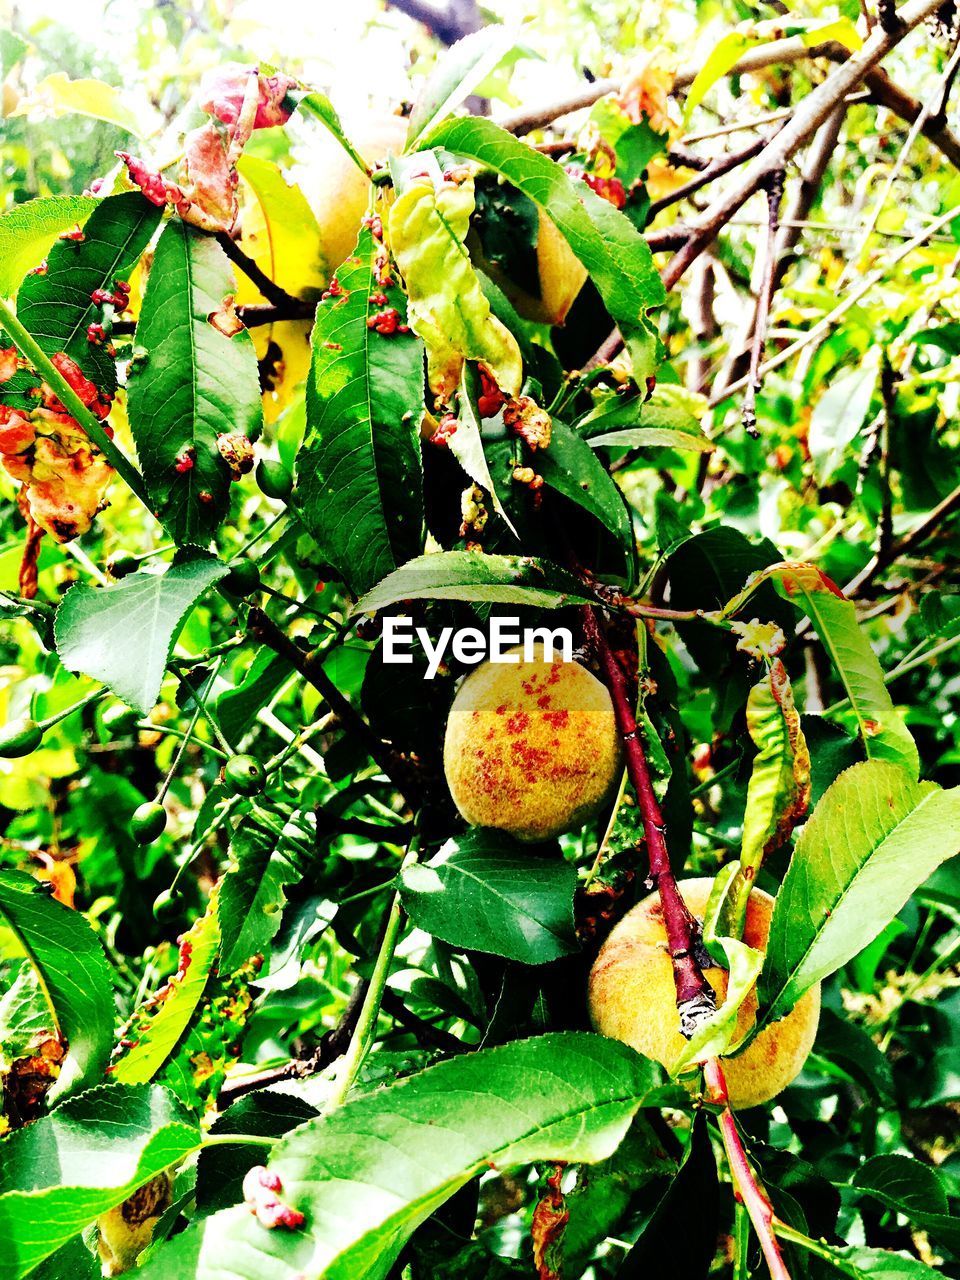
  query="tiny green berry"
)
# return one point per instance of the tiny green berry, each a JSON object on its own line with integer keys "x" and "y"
{"x": 167, "y": 906}
{"x": 243, "y": 578}
{"x": 274, "y": 479}
{"x": 243, "y": 776}
{"x": 148, "y": 822}
{"x": 120, "y": 565}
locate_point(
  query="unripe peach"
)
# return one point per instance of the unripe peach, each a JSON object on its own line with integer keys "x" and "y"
{"x": 562, "y": 275}
{"x": 632, "y": 998}
{"x": 531, "y": 747}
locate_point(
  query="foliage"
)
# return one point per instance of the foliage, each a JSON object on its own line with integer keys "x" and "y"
{"x": 352, "y": 1030}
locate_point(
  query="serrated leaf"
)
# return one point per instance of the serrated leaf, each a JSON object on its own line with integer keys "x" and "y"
{"x": 157, "y": 1027}
{"x": 873, "y": 839}
{"x": 61, "y": 1172}
{"x": 368, "y": 1174}
{"x": 57, "y": 308}
{"x": 471, "y": 575}
{"x": 429, "y": 222}
{"x": 484, "y": 892}
{"x": 569, "y": 466}
{"x": 461, "y": 69}
{"x": 69, "y": 962}
{"x": 28, "y": 230}
{"x": 359, "y": 488}
{"x": 905, "y": 1185}
{"x": 122, "y": 634}
{"x": 190, "y": 383}
{"x": 24, "y": 1013}
{"x": 317, "y": 106}
{"x": 251, "y": 895}
{"x": 606, "y": 242}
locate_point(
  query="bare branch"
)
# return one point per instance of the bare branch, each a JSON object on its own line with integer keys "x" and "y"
{"x": 765, "y": 293}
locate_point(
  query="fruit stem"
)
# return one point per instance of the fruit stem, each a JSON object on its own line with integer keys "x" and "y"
{"x": 351, "y": 1062}
{"x": 749, "y": 1189}
{"x": 73, "y": 404}
{"x": 85, "y": 701}
{"x": 695, "y": 998}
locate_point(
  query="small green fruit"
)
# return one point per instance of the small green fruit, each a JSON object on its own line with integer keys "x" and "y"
{"x": 274, "y": 479}
{"x": 148, "y": 823}
{"x": 243, "y": 776}
{"x": 243, "y": 578}
{"x": 19, "y": 738}
{"x": 168, "y": 906}
{"x": 119, "y": 566}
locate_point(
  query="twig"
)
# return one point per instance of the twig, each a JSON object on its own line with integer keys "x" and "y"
{"x": 924, "y": 529}
{"x": 310, "y": 666}
{"x": 764, "y": 298}
{"x": 809, "y": 115}
{"x": 748, "y": 1187}
{"x": 366, "y": 1023}
{"x": 273, "y": 292}
{"x": 852, "y": 298}
{"x": 425, "y": 1032}
{"x": 695, "y": 998}
{"x": 716, "y": 169}
{"x": 331, "y": 1046}
{"x": 253, "y": 315}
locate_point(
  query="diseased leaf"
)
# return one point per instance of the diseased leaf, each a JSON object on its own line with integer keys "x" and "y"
{"x": 57, "y": 306}
{"x": 429, "y": 221}
{"x": 471, "y": 575}
{"x": 251, "y": 896}
{"x": 368, "y": 1174}
{"x": 61, "y": 1172}
{"x": 122, "y": 634}
{"x": 779, "y": 789}
{"x": 28, "y": 230}
{"x": 874, "y": 837}
{"x": 609, "y": 246}
{"x": 359, "y": 489}
{"x": 466, "y": 443}
{"x": 160, "y": 1023}
{"x": 193, "y": 380}
{"x": 484, "y": 892}
{"x": 74, "y": 976}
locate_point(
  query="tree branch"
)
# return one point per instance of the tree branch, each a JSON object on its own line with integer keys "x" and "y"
{"x": 809, "y": 115}
{"x": 764, "y": 298}
{"x": 273, "y": 292}
{"x": 695, "y": 998}
{"x": 715, "y": 169}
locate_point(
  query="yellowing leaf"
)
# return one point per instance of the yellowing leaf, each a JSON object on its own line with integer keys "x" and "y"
{"x": 724, "y": 55}
{"x": 58, "y": 95}
{"x": 428, "y": 227}
{"x": 279, "y": 232}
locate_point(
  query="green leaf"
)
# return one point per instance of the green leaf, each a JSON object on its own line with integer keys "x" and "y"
{"x": 367, "y": 1175}
{"x": 159, "y": 1027}
{"x": 359, "y": 488}
{"x": 723, "y": 55}
{"x": 27, "y": 232}
{"x": 72, "y": 969}
{"x": 905, "y": 1185}
{"x": 462, "y": 68}
{"x": 471, "y": 575}
{"x": 485, "y": 892}
{"x": 847, "y": 1046}
{"x": 885, "y": 736}
{"x": 251, "y": 896}
{"x": 569, "y": 466}
{"x": 860, "y": 1263}
{"x": 779, "y": 789}
{"x": 57, "y": 308}
{"x": 606, "y": 242}
{"x": 429, "y": 222}
{"x": 12, "y": 49}
{"x": 669, "y": 419}
{"x": 61, "y": 1172}
{"x": 190, "y": 383}
{"x": 318, "y": 106}
{"x": 221, "y": 1169}
{"x": 122, "y": 634}
{"x": 874, "y": 837}
{"x": 466, "y": 443}
{"x": 24, "y": 1013}
{"x": 839, "y": 415}
{"x": 237, "y": 707}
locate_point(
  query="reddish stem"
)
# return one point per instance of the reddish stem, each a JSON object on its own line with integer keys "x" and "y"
{"x": 748, "y": 1188}
{"x": 695, "y": 998}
